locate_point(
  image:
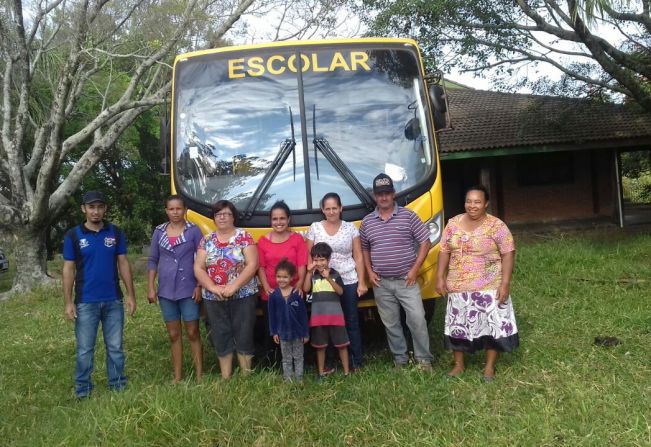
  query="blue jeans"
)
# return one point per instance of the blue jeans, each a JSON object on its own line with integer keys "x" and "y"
{"x": 390, "y": 296}
{"x": 349, "y": 302}
{"x": 89, "y": 315}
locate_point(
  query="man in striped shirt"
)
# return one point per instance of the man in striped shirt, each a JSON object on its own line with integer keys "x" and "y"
{"x": 389, "y": 236}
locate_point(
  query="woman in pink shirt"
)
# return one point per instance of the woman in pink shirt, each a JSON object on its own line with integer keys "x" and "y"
{"x": 280, "y": 243}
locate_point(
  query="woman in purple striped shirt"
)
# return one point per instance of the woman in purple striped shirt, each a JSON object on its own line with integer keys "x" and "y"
{"x": 171, "y": 258}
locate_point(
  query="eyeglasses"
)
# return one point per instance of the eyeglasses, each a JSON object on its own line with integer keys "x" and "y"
{"x": 223, "y": 215}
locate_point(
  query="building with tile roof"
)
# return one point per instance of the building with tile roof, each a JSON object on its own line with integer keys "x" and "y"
{"x": 544, "y": 158}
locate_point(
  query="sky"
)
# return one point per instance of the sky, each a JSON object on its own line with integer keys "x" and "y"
{"x": 257, "y": 29}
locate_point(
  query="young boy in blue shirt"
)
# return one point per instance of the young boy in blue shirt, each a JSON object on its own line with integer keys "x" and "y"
{"x": 288, "y": 321}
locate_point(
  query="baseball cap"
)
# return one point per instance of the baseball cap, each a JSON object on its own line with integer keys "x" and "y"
{"x": 93, "y": 196}
{"x": 383, "y": 183}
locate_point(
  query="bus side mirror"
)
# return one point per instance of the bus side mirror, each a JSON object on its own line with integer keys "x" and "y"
{"x": 437, "y": 99}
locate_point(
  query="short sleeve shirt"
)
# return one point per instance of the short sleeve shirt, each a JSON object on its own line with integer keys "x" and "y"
{"x": 326, "y": 304}
{"x": 475, "y": 257}
{"x": 342, "y": 248}
{"x": 225, "y": 261}
{"x": 271, "y": 253}
{"x": 95, "y": 255}
{"x": 392, "y": 243}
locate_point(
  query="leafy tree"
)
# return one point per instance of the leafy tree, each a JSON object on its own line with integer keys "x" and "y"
{"x": 131, "y": 178}
{"x": 601, "y": 47}
{"x": 74, "y": 76}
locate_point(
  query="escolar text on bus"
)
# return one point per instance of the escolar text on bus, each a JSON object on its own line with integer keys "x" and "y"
{"x": 311, "y": 62}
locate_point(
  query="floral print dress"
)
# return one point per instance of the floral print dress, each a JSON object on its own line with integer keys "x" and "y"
{"x": 225, "y": 261}
{"x": 473, "y": 319}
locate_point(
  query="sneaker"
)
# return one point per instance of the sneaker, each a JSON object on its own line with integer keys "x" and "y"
{"x": 328, "y": 370}
{"x": 397, "y": 366}
{"x": 425, "y": 366}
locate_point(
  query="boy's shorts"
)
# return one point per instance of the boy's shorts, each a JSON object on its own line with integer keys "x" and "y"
{"x": 322, "y": 334}
{"x": 175, "y": 310}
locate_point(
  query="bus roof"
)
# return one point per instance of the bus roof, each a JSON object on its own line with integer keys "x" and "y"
{"x": 298, "y": 43}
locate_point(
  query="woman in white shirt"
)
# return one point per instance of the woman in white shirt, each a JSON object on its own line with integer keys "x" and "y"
{"x": 343, "y": 238}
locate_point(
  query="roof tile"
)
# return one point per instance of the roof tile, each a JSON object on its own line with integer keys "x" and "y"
{"x": 483, "y": 120}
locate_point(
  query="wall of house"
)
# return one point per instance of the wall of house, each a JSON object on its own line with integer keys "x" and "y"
{"x": 544, "y": 187}
{"x": 584, "y": 188}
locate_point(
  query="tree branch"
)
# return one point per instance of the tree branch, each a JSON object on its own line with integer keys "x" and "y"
{"x": 624, "y": 76}
{"x": 40, "y": 15}
{"x": 94, "y": 153}
{"x": 643, "y": 19}
{"x": 242, "y": 7}
{"x": 56, "y": 120}
{"x": 158, "y": 55}
{"x": 114, "y": 110}
{"x": 597, "y": 44}
{"x": 555, "y": 64}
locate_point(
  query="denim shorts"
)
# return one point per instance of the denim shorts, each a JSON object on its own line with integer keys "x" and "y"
{"x": 174, "y": 310}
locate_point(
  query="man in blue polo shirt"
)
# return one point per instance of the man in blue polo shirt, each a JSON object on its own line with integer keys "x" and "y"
{"x": 94, "y": 252}
{"x": 388, "y": 236}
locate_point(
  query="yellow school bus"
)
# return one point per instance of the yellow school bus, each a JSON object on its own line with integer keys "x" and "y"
{"x": 295, "y": 120}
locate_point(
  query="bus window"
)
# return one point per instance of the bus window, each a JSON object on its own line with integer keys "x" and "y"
{"x": 230, "y": 131}
{"x": 239, "y": 119}
{"x": 362, "y": 115}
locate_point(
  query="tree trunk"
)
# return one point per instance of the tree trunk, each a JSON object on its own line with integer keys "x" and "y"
{"x": 30, "y": 255}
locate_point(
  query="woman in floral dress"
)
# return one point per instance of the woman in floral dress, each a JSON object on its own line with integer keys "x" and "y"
{"x": 474, "y": 269}
{"x": 225, "y": 266}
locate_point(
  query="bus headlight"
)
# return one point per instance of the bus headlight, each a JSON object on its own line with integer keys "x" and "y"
{"x": 435, "y": 227}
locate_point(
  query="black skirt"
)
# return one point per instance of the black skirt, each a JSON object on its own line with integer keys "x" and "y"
{"x": 506, "y": 344}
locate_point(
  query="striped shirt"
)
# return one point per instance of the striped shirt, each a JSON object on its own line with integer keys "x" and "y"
{"x": 393, "y": 243}
{"x": 326, "y": 304}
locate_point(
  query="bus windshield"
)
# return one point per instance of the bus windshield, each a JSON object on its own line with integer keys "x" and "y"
{"x": 246, "y": 123}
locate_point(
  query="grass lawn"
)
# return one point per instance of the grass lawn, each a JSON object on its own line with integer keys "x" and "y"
{"x": 558, "y": 389}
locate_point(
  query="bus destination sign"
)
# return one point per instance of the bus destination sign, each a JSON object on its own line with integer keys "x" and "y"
{"x": 278, "y": 64}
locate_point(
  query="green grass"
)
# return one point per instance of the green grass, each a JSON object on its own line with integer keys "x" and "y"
{"x": 558, "y": 389}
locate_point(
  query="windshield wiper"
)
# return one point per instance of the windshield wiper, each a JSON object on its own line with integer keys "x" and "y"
{"x": 286, "y": 147}
{"x": 338, "y": 164}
